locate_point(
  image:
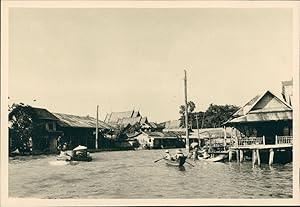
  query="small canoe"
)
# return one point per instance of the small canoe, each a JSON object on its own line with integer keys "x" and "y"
{"x": 177, "y": 163}
{"x": 82, "y": 158}
{"x": 218, "y": 158}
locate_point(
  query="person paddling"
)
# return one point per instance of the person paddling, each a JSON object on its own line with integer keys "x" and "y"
{"x": 178, "y": 154}
{"x": 167, "y": 155}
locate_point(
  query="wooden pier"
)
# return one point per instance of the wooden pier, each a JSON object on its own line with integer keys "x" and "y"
{"x": 259, "y": 150}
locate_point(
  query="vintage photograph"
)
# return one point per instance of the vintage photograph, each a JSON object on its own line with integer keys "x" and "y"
{"x": 150, "y": 102}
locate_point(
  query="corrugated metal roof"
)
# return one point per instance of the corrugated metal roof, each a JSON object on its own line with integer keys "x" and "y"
{"x": 44, "y": 114}
{"x": 67, "y": 120}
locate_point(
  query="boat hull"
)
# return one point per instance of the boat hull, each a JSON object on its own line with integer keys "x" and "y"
{"x": 218, "y": 158}
{"x": 80, "y": 158}
{"x": 176, "y": 163}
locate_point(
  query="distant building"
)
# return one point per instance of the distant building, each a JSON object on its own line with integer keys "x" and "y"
{"x": 44, "y": 135}
{"x": 215, "y": 137}
{"x": 132, "y": 121}
{"x": 115, "y": 118}
{"x": 51, "y": 128}
{"x": 48, "y": 131}
{"x": 159, "y": 140}
{"x": 151, "y": 127}
{"x": 80, "y": 130}
{"x": 287, "y": 91}
{"x": 173, "y": 126}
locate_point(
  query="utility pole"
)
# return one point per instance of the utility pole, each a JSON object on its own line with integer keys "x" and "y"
{"x": 96, "y": 141}
{"x": 198, "y": 129}
{"x": 187, "y": 141}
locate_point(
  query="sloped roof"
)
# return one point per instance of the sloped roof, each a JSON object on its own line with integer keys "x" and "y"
{"x": 265, "y": 107}
{"x": 44, "y": 114}
{"x": 163, "y": 135}
{"x": 114, "y": 117}
{"x": 135, "y": 114}
{"x": 67, "y": 120}
{"x": 152, "y": 125}
{"x": 144, "y": 120}
{"x": 131, "y": 121}
{"x": 173, "y": 124}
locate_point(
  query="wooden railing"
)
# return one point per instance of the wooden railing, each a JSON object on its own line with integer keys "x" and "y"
{"x": 251, "y": 141}
{"x": 284, "y": 139}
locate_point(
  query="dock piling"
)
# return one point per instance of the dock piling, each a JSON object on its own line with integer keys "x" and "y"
{"x": 253, "y": 157}
{"x": 237, "y": 156}
{"x": 258, "y": 157}
{"x": 271, "y": 157}
{"x": 230, "y": 155}
{"x": 241, "y": 155}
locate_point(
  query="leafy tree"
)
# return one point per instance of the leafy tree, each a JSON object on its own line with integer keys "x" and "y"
{"x": 191, "y": 107}
{"x": 213, "y": 117}
{"x": 216, "y": 115}
{"x": 22, "y": 126}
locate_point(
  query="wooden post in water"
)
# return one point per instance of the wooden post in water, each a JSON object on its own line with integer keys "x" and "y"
{"x": 230, "y": 155}
{"x": 253, "y": 157}
{"x": 241, "y": 155}
{"x": 187, "y": 142}
{"x": 96, "y": 141}
{"x": 225, "y": 138}
{"x": 271, "y": 157}
{"x": 258, "y": 157}
{"x": 237, "y": 156}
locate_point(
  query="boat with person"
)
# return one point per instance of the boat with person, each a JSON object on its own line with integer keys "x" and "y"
{"x": 179, "y": 162}
{"x": 80, "y": 153}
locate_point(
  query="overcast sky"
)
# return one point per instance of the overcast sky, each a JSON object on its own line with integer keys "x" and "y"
{"x": 71, "y": 60}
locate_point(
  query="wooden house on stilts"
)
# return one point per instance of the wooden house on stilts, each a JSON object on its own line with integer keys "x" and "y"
{"x": 263, "y": 130}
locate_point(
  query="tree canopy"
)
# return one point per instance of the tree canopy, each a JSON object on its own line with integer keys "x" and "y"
{"x": 213, "y": 117}
{"x": 21, "y": 118}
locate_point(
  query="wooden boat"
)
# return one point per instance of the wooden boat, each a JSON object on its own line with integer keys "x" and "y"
{"x": 82, "y": 158}
{"x": 80, "y": 153}
{"x": 217, "y": 158}
{"x": 177, "y": 163}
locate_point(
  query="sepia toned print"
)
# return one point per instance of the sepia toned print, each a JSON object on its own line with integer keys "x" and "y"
{"x": 153, "y": 103}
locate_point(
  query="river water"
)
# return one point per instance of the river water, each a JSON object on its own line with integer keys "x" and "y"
{"x": 133, "y": 174}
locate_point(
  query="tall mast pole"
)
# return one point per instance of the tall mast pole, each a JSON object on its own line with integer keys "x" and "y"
{"x": 96, "y": 141}
{"x": 187, "y": 141}
{"x": 198, "y": 129}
